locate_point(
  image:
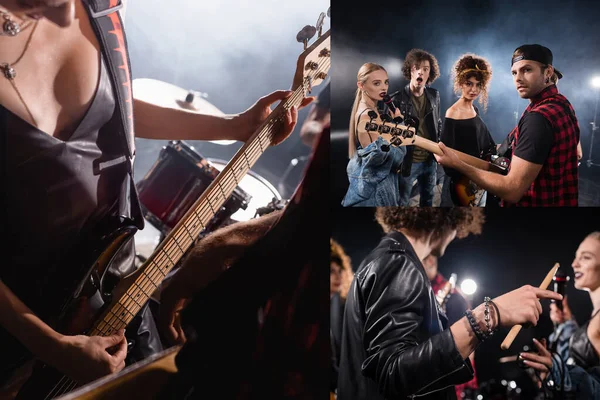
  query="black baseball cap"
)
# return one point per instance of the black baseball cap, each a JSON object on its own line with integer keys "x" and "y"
{"x": 536, "y": 52}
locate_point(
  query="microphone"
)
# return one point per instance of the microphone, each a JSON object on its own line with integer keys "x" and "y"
{"x": 389, "y": 101}
{"x": 559, "y": 285}
{"x": 396, "y": 93}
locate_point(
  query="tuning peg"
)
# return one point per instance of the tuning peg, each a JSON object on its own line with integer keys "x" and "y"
{"x": 306, "y": 34}
{"x": 372, "y": 114}
{"x": 319, "y": 23}
{"x": 397, "y": 120}
{"x": 385, "y": 118}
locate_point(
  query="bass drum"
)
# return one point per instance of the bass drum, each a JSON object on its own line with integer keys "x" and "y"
{"x": 261, "y": 191}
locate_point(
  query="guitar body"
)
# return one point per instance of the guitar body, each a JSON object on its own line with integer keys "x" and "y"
{"x": 85, "y": 297}
{"x": 465, "y": 192}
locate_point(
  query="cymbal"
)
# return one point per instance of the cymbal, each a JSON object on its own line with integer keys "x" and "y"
{"x": 167, "y": 95}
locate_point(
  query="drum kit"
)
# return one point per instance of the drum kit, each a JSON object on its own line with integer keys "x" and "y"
{"x": 181, "y": 174}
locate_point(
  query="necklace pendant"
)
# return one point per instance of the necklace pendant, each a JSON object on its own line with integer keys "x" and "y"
{"x": 9, "y": 72}
{"x": 11, "y": 28}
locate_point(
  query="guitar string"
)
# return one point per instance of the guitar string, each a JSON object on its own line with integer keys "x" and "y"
{"x": 269, "y": 130}
{"x": 184, "y": 228}
{"x": 65, "y": 381}
{"x": 152, "y": 275}
{"x": 474, "y": 160}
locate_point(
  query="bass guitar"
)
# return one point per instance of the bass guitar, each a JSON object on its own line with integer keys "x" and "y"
{"x": 96, "y": 305}
{"x": 466, "y": 193}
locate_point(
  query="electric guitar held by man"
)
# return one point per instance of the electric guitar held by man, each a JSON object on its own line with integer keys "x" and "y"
{"x": 400, "y": 133}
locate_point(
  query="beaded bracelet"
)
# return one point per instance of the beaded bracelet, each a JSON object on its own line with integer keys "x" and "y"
{"x": 486, "y": 313}
{"x": 475, "y": 326}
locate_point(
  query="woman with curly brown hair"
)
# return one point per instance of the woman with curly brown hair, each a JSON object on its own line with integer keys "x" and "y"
{"x": 374, "y": 164}
{"x": 465, "y": 131}
{"x": 395, "y": 342}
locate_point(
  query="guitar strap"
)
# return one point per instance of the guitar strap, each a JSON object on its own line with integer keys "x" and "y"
{"x": 108, "y": 27}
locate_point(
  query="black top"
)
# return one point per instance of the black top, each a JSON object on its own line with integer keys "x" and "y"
{"x": 581, "y": 349}
{"x": 55, "y": 191}
{"x": 470, "y": 136}
{"x": 535, "y": 138}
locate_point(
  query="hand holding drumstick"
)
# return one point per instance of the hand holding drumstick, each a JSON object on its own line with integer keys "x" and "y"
{"x": 512, "y": 310}
{"x": 517, "y": 328}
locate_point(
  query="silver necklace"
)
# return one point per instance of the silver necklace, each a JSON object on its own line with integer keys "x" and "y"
{"x": 11, "y": 27}
{"x": 10, "y": 73}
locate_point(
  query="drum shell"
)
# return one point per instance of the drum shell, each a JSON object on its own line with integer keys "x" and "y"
{"x": 175, "y": 182}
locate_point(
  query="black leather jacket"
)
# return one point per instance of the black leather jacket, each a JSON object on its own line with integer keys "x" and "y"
{"x": 395, "y": 344}
{"x": 432, "y": 119}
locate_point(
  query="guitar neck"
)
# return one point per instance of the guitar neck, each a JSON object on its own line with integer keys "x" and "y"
{"x": 183, "y": 235}
{"x": 401, "y": 135}
{"x": 466, "y": 158}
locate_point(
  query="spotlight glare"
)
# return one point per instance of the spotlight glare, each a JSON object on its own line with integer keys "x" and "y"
{"x": 596, "y": 82}
{"x": 468, "y": 286}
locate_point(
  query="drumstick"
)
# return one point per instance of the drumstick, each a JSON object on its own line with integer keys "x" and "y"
{"x": 514, "y": 331}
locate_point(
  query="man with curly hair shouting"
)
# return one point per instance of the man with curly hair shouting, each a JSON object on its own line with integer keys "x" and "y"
{"x": 421, "y": 69}
{"x": 395, "y": 341}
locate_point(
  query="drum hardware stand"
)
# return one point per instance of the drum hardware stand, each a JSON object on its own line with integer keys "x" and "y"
{"x": 589, "y": 162}
{"x": 293, "y": 163}
{"x": 275, "y": 205}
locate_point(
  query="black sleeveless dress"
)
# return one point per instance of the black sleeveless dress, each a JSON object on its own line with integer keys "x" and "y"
{"x": 55, "y": 192}
{"x": 581, "y": 349}
{"x": 470, "y": 136}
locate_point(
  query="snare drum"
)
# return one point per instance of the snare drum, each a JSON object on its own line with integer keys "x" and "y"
{"x": 176, "y": 181}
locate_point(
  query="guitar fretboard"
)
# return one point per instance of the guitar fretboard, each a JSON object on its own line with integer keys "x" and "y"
{"x": 184, "y": 234}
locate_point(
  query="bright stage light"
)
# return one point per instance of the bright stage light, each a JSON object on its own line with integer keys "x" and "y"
{"x": 468, "y": 286}
{"x": 596, "y": 82}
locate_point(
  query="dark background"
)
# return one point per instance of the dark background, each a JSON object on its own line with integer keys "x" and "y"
{"x": 517, "y": 247}
{"x": 490, "y": 28}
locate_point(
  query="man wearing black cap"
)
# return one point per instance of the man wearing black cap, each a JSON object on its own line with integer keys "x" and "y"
{"x": 543, "y": 169}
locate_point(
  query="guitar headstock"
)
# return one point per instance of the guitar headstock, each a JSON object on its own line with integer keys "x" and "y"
{"x": 402, "y": 135}
{"x": 315, "y": 61}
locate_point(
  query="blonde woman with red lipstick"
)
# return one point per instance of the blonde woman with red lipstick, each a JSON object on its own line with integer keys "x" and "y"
{"x": 580, "y": 375}
{"x": 374, "y": 164}
{"x": 464, "y": 130}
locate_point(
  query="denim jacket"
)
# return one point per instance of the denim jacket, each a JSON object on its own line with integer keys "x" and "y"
{"x": 373, "y": 177}
{"x": 572, "y": 381}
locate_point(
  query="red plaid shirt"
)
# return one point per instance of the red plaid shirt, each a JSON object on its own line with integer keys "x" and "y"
{"x": 557, "y": 182}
